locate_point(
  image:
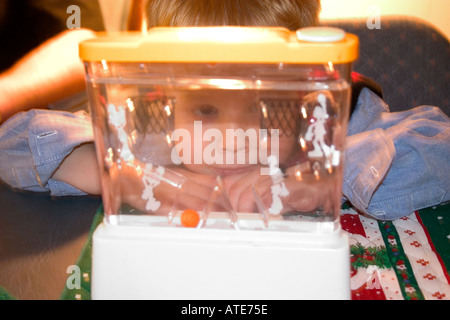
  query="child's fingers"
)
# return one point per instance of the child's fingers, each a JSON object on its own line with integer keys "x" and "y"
{"x": 238, "y": 190}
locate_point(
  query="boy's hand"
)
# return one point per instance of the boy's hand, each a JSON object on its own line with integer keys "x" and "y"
{"x": 177, "y": 189}
{"x": 181, "y": 189}
{"x": 303, "y": 195}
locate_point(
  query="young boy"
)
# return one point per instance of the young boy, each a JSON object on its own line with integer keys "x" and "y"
{"x": 395, "y": 163}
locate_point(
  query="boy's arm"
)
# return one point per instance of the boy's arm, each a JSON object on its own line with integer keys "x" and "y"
{"x": 49, "y": 73}
{"x": 34, "y": 145}
{"x": 80, "y": 170}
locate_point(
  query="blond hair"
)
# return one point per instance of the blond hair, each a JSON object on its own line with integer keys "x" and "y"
{"x": 291, "y": 14}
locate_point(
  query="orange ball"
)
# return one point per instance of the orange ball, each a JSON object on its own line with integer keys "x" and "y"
{"x": 190, "y": 218}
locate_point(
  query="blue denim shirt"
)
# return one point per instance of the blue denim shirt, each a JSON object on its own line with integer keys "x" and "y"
{"x": 395, "y": 163}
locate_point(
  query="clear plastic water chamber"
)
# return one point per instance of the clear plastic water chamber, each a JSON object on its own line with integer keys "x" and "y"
{"x": 223, "y": 127}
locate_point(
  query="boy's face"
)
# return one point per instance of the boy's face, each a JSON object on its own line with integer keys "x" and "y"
{"x": 222, "y": 132}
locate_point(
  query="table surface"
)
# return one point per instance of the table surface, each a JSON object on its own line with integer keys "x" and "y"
{"x": 40, "y": 237}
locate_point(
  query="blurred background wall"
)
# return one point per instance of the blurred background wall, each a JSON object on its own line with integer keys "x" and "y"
{"x": 434, "y": 11}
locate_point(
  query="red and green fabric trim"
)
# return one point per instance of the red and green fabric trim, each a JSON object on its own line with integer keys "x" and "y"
{"x": 402, "y": 267}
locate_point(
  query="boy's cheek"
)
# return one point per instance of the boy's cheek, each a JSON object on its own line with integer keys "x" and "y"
{"x": 284, "y": 146}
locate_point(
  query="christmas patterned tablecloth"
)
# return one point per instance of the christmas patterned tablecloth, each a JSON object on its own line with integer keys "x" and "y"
{"x": 402, "y": 259}
{"x": 405, "y": 259}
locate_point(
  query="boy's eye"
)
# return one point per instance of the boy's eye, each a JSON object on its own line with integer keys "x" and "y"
{"x": 206, "y": 110}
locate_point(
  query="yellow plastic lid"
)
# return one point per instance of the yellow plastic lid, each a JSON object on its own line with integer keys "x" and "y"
{"x": 224, "y": 44}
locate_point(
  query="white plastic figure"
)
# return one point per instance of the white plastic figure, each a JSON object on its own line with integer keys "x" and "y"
{"x": 151, "y": 178}
{"x": 116, "y": 117}
{"x": 316, "y": 131}
{"x": 278, "y": 189}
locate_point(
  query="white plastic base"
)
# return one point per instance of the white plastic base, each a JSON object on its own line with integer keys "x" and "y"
{"x": 142, "y": 262}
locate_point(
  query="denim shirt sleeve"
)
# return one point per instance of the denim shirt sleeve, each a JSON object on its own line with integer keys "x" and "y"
{"x": 368, "y": 157}
{"x": 396, "y": 163}
{"x": 33, "y": 144}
